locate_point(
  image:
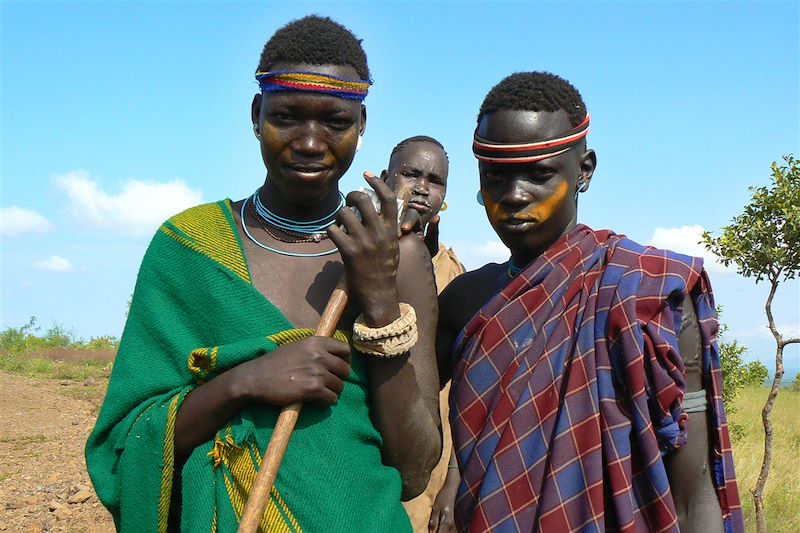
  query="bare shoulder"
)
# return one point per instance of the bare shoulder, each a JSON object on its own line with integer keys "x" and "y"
{"x": 467, "y": 293}
{"x": 415, "y": 282}
{"x": 413, "y": 252}
{"x": 458, "y": 303}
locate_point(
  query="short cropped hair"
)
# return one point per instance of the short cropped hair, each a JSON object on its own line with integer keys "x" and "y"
{"x": 535, "y": 91}
{"x": 317, "y": 41}
{"x": 417, "y": 139}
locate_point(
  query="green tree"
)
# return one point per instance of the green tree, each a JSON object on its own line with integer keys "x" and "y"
{"x": 730, "y": 358}
{"x": 735, "y": 374}
{"x": 755, "y": 373}
{"x": 764, "y": 243}
{"x": 15, "y": 340}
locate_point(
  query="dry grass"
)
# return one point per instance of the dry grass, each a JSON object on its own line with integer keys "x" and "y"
{"x": 782, "y": 493}
{"x": 75, "y": 364}
{"x": 72, "y": 355}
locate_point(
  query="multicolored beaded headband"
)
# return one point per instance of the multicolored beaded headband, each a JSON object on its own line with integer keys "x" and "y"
{"x": 284, "y": 80}
{"x": 492, "y": 152}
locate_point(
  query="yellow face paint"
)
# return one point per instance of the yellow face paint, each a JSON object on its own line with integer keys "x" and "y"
{"x": 536, "y": 213}
{"x": 493, "y": 210}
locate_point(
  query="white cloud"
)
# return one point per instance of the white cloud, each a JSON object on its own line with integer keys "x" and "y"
{"x": 686, "y": 240}
{"x": 138, "y": 209}
{"x": 18, "y": 221}
{"x": 55, "y": 263}
{"x": 477, "y": 255}
{"x": 763, "y": 332}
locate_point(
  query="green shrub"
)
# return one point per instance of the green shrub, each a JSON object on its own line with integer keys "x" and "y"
{"x": 14, "y": 340}
{"x": 755, "y": 373}
{"x": 56, "y": 354}
{"x": 24, "y": 339}
{"x": 105, "y": 342}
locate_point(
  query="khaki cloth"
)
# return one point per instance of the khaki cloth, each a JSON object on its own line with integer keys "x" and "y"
{"x": 446, "y": 267}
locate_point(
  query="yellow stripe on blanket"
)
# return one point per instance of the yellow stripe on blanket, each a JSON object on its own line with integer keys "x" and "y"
{"x": 240, "y": 464}
{"x": 207, "y": 229}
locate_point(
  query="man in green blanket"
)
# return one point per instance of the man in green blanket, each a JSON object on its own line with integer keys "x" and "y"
{"x": 219, "y": 334}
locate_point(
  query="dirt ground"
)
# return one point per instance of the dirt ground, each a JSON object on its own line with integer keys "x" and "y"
{"x": 44, "y": 487}
{"x": 43, "y": 481}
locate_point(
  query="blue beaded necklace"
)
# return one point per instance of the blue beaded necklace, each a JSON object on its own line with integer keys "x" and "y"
{"x": 309, "y": 227}
{"x": 290, "y": 225}
{"x": 513, "y": 269}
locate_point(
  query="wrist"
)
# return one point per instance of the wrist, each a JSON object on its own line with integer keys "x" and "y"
{"x": 237, "y": 386}
{"x": 381, "y": 311}
{"x": 452, "y": 478}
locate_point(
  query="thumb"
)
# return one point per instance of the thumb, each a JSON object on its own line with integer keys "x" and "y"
{"x": 410, "y": 219}
{"x": 432, "y": 235}
{"x": 433, "y": 522}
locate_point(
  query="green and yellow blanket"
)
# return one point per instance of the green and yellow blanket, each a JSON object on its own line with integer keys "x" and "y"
{"x": 195, "y": 314}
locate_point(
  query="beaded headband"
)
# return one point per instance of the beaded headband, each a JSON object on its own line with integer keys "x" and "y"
{"x": 492, "y": 152}
{"x": 284, "y": 80}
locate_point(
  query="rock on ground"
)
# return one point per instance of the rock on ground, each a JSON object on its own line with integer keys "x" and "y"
{"x": 44, "y": 486}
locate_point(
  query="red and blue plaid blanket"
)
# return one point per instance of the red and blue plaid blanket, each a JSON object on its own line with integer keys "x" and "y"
{"x": 568, "y": 389}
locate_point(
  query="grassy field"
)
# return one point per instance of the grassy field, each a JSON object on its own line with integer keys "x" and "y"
{"x": 55, "y": 354}
{"x": 782, "y": 494}
{"x": 61, "y": 363}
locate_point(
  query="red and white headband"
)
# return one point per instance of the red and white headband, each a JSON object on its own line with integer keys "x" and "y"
{"x": 493, "y": 152}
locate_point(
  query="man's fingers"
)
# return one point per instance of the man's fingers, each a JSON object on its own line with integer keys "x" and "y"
{"x": 410, "y": 220}
{"x": 337, "y": 348}
{"x": 432, "y": 236}
{"x": 326, "y": 397}
{"x": 433, "y": 521}
{"x": 349, "y": 221}
{"x": 386, "y": 196}
{"x": 334, "y": 384}
{"x": 337, "y": 236}
{"x": 363, "y": 203}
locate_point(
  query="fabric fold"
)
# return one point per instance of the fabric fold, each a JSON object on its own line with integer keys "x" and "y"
{"x": 569, "y": 389}
{"x": 195, "y": 314}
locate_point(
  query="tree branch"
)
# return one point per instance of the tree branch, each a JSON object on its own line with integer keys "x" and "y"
{"x": 768, "y": 308}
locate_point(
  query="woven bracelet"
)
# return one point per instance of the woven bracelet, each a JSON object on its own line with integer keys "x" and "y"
{"x": 390, "y": 340}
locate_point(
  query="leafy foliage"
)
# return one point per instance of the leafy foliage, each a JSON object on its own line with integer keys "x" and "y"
{"x": 736, "y": 375}
{"x": 764, "y": 241}
{"x": 25, "y": 339}
{"x": 24, "y": 351}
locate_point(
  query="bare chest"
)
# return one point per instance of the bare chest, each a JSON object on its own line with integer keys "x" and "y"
{"x": 298, "y": 285}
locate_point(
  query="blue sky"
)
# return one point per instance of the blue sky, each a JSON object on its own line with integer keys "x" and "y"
{"x": 117, "y": 115}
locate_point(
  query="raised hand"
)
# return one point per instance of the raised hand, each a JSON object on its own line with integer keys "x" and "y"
{"x": 431, "y": 238}
{"x": 411, "y": 223}
{"x": 370, "y": 252}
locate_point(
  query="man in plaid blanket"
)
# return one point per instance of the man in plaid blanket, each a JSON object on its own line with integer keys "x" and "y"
{"x": 586, "y": 384}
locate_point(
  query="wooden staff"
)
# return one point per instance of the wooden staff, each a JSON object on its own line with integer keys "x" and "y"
{"x": 265, "y": 478}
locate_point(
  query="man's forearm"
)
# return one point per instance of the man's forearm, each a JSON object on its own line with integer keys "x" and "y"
{"x": 408, "y": 419}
